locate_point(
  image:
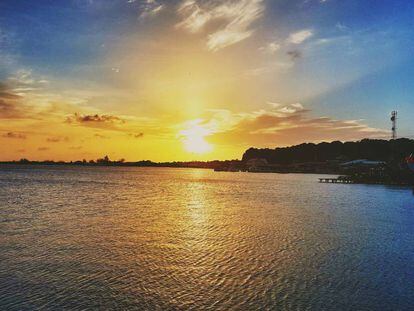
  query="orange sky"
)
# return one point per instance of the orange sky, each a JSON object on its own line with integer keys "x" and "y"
{"x": 179, "y": 81}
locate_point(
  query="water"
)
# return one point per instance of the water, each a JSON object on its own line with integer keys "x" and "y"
{"x": 183, "y": 239}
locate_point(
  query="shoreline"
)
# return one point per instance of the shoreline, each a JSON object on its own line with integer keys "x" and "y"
{"x": 336, "y": 177}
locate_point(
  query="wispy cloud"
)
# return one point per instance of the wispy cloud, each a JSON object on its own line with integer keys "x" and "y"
{"x": 137, "y": 135}
{"x": 8, "y": 51}
{"x": 10, "y": 102}
{"x": 294, "y": 54}
{"x": 288, "y": 46}
{"x": 14, "y": 135}
{"x": 269, "y": 68}
{"x": 15, "y": 92}
{"x": 97, "y": 135}
{"x": 285, "y": 124}
{"x": 270, "y": 48}
{"x": 150, "y": 8}
{"x": 238, "y": 17}
{"x": 57, "y": 139}
{"x": 300, "y": 36}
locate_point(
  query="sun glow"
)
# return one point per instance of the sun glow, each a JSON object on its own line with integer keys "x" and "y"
{"x": 193, "y": 138}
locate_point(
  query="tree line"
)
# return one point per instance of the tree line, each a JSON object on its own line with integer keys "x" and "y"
{"x": 369, "y": 149}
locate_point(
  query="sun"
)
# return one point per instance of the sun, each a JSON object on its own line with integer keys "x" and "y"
{"x": 193, "y": 138}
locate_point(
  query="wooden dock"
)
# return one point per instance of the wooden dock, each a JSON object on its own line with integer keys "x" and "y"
{"x": 339, "y": 180}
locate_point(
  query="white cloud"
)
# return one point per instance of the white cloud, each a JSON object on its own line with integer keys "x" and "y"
{"x": 195, "y": 18}
{"x": 286, "y": 124}
{"x": 298, "y": 106}
{"x": 226, "y": 37}
{"x": 270, "y": 48}
{"x": 269, "y": 68}
{"x": 341, "y": 27}
{"x": 150, "y": 8}
{"x": 237, "y": 15}
{"x": 274, "y": 105}
{"x": 300, "y": 36}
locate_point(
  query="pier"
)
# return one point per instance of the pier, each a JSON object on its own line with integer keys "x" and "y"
{"x": 339, "y": 180}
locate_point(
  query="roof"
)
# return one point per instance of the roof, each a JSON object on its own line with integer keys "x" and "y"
{"x": 363, "y": 162}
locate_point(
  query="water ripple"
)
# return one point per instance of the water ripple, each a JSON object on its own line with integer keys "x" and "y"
{"x": 167, "y": 239}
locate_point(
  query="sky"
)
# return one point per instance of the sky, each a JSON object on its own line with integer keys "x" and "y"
{"x": 183, "y": 80}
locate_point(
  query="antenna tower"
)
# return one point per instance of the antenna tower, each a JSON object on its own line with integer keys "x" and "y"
{"x": 394, "y": 124}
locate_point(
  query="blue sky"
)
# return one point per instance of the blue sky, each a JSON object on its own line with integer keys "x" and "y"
{"x": 222, "y": 63}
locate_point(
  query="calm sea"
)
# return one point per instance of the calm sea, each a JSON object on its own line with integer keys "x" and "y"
{"x": 187, "y": 239}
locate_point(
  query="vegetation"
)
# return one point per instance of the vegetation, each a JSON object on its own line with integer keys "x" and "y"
{"x": 369, "y": 149}
{"x": 323, "y": 158}
{"x": 105, "y": 161}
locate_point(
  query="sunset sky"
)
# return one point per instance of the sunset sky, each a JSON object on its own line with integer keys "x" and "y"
{"x": 199, "y": 80}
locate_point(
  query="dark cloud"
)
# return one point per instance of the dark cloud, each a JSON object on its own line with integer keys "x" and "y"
{"x": 42, "y": 149}
{"x": 98, "y": 118}
{"x": 138, "y": 135}
{"x": 98, "y": 121}
{"x": 294, "y": 54}
{"x": 14, "y": 135}
{"x": 13, "y": 91}
{"x": 57, "y": 139}
{"x": 8, "y": 95}
{"x": 10, "y": 103}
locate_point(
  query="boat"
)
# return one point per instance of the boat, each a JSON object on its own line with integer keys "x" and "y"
{"x": 410, "y": 162}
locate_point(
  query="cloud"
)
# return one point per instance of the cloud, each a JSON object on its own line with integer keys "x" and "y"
{"x": 269, "y": 68}
{"x": 10, "y": 102}
{"x": 270, "y": 48}
{"x": 298, "y": 106}
{"x": 283, "y": 125}
{"x": 8, "y": 110}
{"x": 95, "y": 119}
{"x": 294, "y": 55}
{"x": 295, "y": 38}
{"x": 237, "y": 17}
{"x": 15, "y": 93}
{"x": 42, "y": 149}
{"x": 14, "y": 135}
{"x": 138, "y": 135}
{"x": 300, "y": 36}
{"x": 104, "y": 121}
{"x": 150, "y": 8}
{"x": 57, "y": 139}
{"x": 101, "y": 136}
{"x": 194, "y": 17}
{"x": 8, "y": 49}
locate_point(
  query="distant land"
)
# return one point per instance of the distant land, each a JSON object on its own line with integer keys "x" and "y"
{"x": 368, "y": 159}
{"x": 369, "y": 149}
{"x": 105, "y": 161}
